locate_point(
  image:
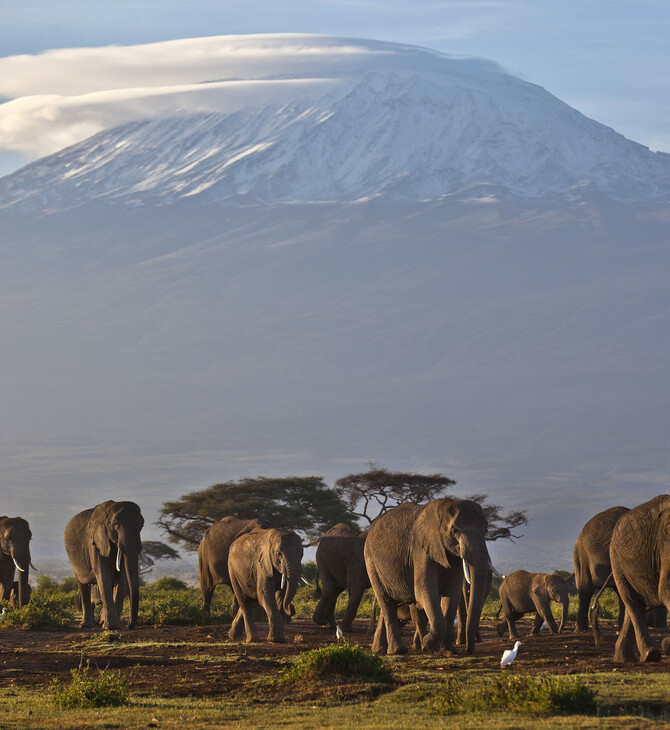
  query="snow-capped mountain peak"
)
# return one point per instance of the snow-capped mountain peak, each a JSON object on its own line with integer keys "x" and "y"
{"x": 313, "y": 118}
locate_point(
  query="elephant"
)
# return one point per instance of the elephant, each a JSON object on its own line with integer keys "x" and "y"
{"x": 341, "y": 565}
{"x": 640, "y": 558}
{"x": 15, "y": 539}
{"x": 264, "y": 566}
{"x": 213, "y": 553}
{"x": 592, "y": 561}
{"x": 101, "y": 542}
{"x": 416, "y": 554}
{"x": 523, "y": 592}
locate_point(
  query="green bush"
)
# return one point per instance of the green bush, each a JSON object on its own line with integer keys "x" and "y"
{"x": 167, "y": 583}
{"x": 345, "y": 663}
{"x": 541, "y": 695}
{"x": 108, "y": 688}
{"x": 47, "y": 584}
{"x": 45, "y": 610}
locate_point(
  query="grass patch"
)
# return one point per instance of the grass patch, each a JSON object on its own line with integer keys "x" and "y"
{"x": 48, "y": 610}
{"x": 345, "y": 663}
{"x": 105, "y": 688}
{"x": 543, "y": 694}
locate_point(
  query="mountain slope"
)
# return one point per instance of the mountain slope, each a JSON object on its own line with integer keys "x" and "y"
{"x": 401, "y": 123}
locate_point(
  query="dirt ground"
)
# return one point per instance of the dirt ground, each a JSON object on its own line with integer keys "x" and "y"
{"x": 200, "y": 661}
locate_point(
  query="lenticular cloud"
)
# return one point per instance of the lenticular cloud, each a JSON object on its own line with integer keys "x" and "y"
{"x": 61, "y": 97}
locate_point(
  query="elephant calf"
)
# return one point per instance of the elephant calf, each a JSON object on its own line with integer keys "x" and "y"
{"x": 522, "y": 592}
{"x": 264, "y": 567}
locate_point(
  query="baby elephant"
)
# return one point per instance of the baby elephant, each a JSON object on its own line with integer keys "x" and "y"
{"x": 522, "y": 592}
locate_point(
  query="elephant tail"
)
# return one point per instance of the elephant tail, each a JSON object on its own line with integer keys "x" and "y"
{"x": 373, "y": 617}
{"x": 317, "y": 587}
{"x": 499, "y": 610}
{"x": 594, "y": 614}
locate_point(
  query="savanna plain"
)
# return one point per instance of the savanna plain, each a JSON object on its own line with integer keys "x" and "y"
{"x": 175, "y": 670}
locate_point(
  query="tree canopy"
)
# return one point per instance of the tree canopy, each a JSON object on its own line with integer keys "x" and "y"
{"x": 303, "y": 504}
{"x": 371, "y": 493}
{"x": 153, "y": 550}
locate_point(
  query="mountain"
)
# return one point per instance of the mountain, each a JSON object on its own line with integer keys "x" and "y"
{"x": 399, "y": 123}
{"x": 365, "y": 252}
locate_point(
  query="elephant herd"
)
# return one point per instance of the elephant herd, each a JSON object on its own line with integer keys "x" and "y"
{"x": 429, "y": 561}
{"x": 420, "y": 555}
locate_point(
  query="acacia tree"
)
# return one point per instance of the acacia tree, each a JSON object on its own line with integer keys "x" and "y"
{"x": 303, "y": 504}
{"x": 371, "y": 493}
{"x": 153, "y": 550}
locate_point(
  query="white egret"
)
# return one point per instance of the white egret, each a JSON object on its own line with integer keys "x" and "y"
{"x": 338, "y": 633}
{"x": 509, "y": 655}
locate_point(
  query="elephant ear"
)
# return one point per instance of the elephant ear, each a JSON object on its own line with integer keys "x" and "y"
{"x": 97, "y": 525}
{"x": 541, "y": 588}
{"x": 265, "y": 558}
{"x": 430, "y": 530}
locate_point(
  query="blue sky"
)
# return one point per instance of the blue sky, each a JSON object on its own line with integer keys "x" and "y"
{"x": 609, "y": 59}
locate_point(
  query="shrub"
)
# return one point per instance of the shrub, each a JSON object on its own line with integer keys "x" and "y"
{"x": 176, "y": 608}
{"x": 109, "y": 688}
{"x": 347, "y": 663}
{"x": 45, "y": 610}
{"x": 168, "y": 583}
{"x": 542, "y": 695}
{"x": 47, "y": 584}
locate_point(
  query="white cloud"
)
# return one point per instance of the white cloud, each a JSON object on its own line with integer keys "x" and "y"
{"x": 61, "y": 97}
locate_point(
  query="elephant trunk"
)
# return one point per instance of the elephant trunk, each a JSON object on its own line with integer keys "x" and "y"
{"x": 133, "y": 577}
{"x": 479, "y": 582}
{"x": 292, "y": 574}
{"x": 22, "y": 563}
{"x": 565, "y": 602}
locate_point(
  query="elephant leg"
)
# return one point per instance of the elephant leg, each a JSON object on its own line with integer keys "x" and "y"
{"x": 622, "y": 613}
{"x": 324, "y": 614}
{"x": 87, "y": 617}
{"x": 634, "y": 623}
{"x": 623, "y": 649}
{"x": 388, "y": 618}
{"x": 379, "y": 643}
{"x": 119, "y": 597}
{"x": 427, "y": 596}
{"x": 462, "y": 620}
{"x": 207, "y": 595}
{"x": 543, "y": 608}
{"x": 355, "y": 595}
{"x": 237, "y": 626}
{"x": 247, "y": 611}
{"x": 585, "y": 592}
{"x": 267, "y": 600}
{"x": 537, "y": 624}
{"x": 450, "y": 607}
{"x": 420, "y": 621}
{"x": 512, "y": 617}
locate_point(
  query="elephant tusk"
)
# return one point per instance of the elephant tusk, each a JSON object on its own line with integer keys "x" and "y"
{"x": 33, "y": 567}
{"x": 283, "y": 581}
{"x": 18, "y": 567}
{"x": 305, "y": 581}
{"x": 495, "y": 572}
{"x": 119, "y": 555}
{"x": 466, "y": 572}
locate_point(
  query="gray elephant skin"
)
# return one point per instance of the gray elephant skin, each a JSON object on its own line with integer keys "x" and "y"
{"x": 264, "y": 567}
{"x": 213, "y": 553}
{"x": 15, "y": 539}
{"x": 523, "y": 592}
{"x": 591, "y": 556}
{"x": 104, "y": 543}
{"x": 341, "y": 566}
{"x": 640, "y": 557}
{"x": 415, "y": 554}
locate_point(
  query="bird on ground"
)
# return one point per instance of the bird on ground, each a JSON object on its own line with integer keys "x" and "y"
{"x": 544, "y": 626}
{"x": 509, "y": 655}
{"x": 338, "y": 633}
